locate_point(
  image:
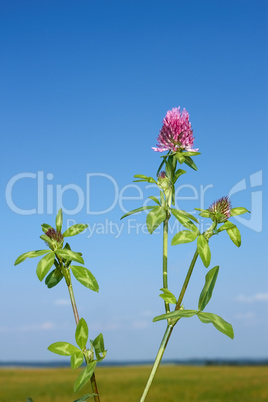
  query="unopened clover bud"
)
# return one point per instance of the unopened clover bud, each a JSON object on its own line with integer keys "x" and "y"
{"x": 220, "y": 210}
{"x": 89, "y": 355}
{"x": 56, "y": 237}
{"x": 163, "y": 182}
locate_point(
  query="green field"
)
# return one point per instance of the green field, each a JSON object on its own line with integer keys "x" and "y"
{"x": 125, "y": 384}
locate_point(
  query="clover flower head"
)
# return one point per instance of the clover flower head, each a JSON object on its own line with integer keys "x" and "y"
{"x": 176, "y": 133}
{"x": 221, "y": 209}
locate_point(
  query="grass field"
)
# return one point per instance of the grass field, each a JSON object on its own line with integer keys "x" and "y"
{"x": 125, "y": 384}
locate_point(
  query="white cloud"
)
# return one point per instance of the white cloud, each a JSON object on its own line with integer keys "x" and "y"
{"x": 62, "y": 302}
{"x": 147, "y": 313}
{"x": 45, "y": 326}
{"x": 245, "y": 316}
{"x": 108, "y": 326}
{"x": 139, "y": 324}
{"x": 258, "y": 297}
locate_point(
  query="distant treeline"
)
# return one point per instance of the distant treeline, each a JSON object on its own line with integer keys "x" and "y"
{"x": 189, "y": 362}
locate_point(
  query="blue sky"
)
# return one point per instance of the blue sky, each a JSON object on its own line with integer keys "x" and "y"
{"x": 84, "y": 88}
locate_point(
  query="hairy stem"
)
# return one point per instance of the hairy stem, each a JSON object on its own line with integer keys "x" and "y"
{"x": 165, "y": 252}
{"x": 71, "y": 293}
{"x": 168, "y": 330}
{"x": 67, "y": 277}
{"x": 208, "y": 233}
{"x": 157, "y": 361}
{"x": 186, "y": 281}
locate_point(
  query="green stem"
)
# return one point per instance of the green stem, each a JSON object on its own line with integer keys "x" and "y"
{"x": 157, "y": 361}
{"x": 71, "y": 293}
{"x": 67, "y": 277}
{"x": 165, "y": 252}
{"x": 186, "y": 281}
{"x": 208, "y": 233}
{"x": 169, "y": 329}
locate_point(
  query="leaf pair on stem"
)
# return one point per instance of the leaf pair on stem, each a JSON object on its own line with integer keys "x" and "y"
{"x": 79, "y": 354}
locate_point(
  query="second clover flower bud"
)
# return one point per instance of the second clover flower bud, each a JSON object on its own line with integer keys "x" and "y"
{"x": 221, "y": 210}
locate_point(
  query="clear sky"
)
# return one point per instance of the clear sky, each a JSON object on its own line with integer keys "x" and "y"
{"x": 84, "y": 88}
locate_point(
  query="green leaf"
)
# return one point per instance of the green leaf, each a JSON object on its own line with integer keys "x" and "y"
{"x": 77, "y": 359}
{"x": 176, "y": 314}
{"x": 53, "y": 278}
{"x": 205, "y": 214}
{"x": 59, "y": 220}
{"x": 162, "y": 198}
{"x": 184, "y": 220}
{"x": 225, "y": 226}
{"x": 142, "y": 177}
{"x": 161, "y": 164}
{"x": 135, "y": 211}
{"x": 184, "y": 213}
{"x": 69, "y": 255}
{"x": 99, "y": 348}
{"x": 151, "y": 180}
{"x": 155, "y": 218}
{"x": 219, "y": 323}
{"x": 185, "y": 236}
{"x": 74, "y": 230}
{"x": 191, "y": 153}
{"x": 48, "y": 240}
{"x": 172, "y": 162}
{"x": 238, "y": 211}
{"x": 207, "y": 290}
{"x": 67, "y": 247}
{"x": 203, "y": 250}
{"x": 44, "y": 265}
{"x": 84, "y": 376}
{"x": 85, "y": 397}
{"x": 169, "y": 168}
{"x": 45, "y": 227}
{"x": 156, "y": 200}
{"x": 190, "y": 162}
{"x": 235, "y": 235}
{"x": 180, "y": 157}
{"x": 30, "y": 254}
{"x": 85, "y": 277}
{"x": 168, "y": 296}
{"x": 178, "y": 173}
{"x": 173, "y": 200}
{"x": 81, "y": 333}
{"x": 63, "y": 348}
